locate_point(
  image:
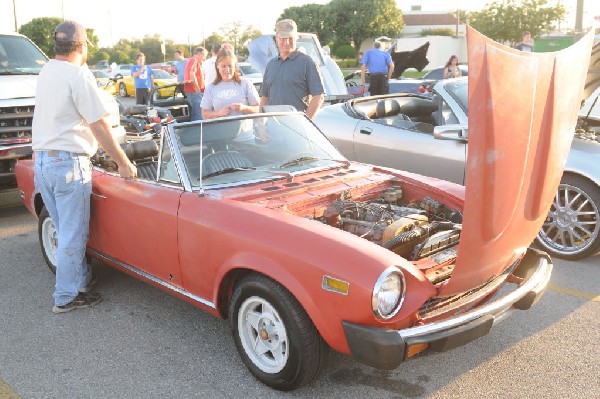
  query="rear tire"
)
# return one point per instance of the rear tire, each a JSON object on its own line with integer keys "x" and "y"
{"x": 48, "y": 237}
{"x": 274, "y": 336}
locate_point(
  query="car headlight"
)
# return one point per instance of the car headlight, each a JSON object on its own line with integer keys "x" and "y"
{"x": 388, "y": 293}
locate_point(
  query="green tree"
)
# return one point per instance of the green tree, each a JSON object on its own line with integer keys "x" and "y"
{"x": 310, "y": 18}
{"x": 238, "y": 35}
{"x": 355, "y": 20}
{"x": 120, "y": 57}
{"x": 345, "y": 51}
{"x": 506, "y": 20}
{"x": 40, "y": 31}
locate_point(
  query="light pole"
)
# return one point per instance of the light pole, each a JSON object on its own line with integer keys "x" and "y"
{"x": 15, "y": 15}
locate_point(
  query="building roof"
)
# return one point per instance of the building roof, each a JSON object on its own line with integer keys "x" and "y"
{"x": 429, "y": 19}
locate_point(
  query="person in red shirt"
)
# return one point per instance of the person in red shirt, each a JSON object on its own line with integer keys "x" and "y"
{"x": 194, "y": 82}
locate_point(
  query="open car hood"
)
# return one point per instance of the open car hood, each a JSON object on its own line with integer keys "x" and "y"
{"x": 522, "y": 114}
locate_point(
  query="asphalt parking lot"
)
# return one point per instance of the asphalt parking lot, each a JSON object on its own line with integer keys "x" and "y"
{"x": 141, "y": 342}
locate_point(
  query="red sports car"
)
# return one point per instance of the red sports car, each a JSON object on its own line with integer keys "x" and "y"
{"x": 260, "y": 220}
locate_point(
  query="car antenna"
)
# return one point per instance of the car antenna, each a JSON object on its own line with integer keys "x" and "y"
{"x": 201, "y": 192}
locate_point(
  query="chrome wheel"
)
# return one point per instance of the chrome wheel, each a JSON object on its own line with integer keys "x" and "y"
{"x": 263, "y": 335}
{"x": 572, "y": 227}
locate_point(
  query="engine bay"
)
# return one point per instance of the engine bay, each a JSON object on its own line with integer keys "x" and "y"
{"x": 415, "y": 230}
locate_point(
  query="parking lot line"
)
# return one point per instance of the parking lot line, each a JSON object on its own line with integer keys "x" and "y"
{"x": 6, "y": 392}
{"x": 576, "y": 293}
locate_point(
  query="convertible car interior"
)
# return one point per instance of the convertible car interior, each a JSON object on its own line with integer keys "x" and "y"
{"x": 413, "y": 113}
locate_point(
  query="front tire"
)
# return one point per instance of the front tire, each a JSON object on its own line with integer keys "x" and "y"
{"x": 48, "y": 237}
{"x": 572, "y": 227}
{"x": 123, "y": 90}
{"x": 274, "y": 336}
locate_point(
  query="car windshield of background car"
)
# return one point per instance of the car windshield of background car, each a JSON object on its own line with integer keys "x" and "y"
{"x": 279, "y": 146}
{"x": 459, "y": 90}
{"x": 248, "y": 69}
{"x": 308, "y": 46}
{"x": 18, "y": 56}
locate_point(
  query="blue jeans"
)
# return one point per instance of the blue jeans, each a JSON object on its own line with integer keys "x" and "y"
{"x": 194, "y": 99}
{"x": 65, "y": 181}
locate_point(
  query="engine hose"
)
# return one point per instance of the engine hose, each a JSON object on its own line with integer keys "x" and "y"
{"x": 415, "y": 234}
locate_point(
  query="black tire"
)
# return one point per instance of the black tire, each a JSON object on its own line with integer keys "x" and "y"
{"x": 285, "y": 363}
{"x": 572, "y": 227}
{"x": 123, "y": 90}
{"x": 48, "y": 239}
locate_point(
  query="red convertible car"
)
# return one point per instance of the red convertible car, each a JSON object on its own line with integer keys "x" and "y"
{"x": 260, "y": 220}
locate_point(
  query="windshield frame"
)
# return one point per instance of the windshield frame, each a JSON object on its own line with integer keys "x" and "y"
{"x": 297, "y": 132}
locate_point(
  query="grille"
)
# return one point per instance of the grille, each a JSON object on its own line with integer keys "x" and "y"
{"x": 15, "y": 124}
{"x": 438, "y": 306}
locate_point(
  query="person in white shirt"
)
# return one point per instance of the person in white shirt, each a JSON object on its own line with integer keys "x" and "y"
{"x": 208, "y": 67}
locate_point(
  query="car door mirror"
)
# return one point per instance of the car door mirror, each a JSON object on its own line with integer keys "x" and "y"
{"x": 451, "y": 132}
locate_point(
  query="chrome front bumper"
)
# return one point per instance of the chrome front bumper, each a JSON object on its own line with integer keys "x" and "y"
{"x": 387, "y": 348}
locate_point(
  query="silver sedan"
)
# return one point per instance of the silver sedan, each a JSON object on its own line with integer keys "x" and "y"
{"x": 428, "y": 135}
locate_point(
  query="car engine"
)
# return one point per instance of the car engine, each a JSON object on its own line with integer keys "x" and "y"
{"x": 414, "y": 231}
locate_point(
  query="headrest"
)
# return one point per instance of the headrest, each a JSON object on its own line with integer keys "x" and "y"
{"x": 138, "y": 150}
{"x": 387, "y": 107}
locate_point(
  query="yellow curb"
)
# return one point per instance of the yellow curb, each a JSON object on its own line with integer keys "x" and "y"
{"x": 6, "y": 392}
{"x": 579, "y": 294}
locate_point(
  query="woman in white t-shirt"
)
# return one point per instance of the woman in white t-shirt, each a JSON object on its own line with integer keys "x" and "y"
{"x": 230, "y": 94}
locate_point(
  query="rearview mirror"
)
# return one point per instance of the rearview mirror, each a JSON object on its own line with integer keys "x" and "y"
{"x": 451, "y": 132}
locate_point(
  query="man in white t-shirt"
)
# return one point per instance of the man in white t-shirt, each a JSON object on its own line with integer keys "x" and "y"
{"x": 69, "y": 122}
{"x": 208, "y": 67}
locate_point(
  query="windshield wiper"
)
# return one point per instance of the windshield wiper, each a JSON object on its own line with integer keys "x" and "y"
{"x": 298, "y": 161}
{"x": 225, "y": 171}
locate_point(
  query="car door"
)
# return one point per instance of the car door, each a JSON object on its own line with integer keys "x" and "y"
{"x": 134, "y": 222}
{"x": 410, "y": 150}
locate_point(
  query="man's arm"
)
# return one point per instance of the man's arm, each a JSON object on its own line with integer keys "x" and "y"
{"x": 314, "y": 105}
{"x": 363, "y": 71}
{"x": 264, "y": 101}
{"x": 102, "y": 132}
{"x": 390, "y": 69}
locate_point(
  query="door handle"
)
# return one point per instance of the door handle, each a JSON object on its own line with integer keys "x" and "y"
{"x": 366, "y": 130}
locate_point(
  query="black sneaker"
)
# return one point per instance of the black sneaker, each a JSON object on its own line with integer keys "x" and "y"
{"x": 88, "y": 287}
{"x": 81, "y": 301}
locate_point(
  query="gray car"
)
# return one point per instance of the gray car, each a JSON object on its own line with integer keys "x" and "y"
{"x": 428, "y": 135}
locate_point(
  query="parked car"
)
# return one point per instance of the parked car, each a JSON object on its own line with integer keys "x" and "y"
{"x": 161, "y": 78}
{"x": 168, "y": 66}
{"x": 396, "y": 85}
{"x": 383, "y": 131}
{"x": 104, "y": 82}
{"x": 121, "y": 69}
{"x": 20, "y": 64}
{"x": 259, "y": 219}
{"x": 251, "y": 73}
{"x": 438, "y": 73}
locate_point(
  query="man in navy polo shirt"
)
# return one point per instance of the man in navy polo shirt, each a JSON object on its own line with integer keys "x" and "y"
{"x": 380, "y": 67}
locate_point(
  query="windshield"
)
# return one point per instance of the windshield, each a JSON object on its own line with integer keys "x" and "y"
{"x": 244, "y": 150}
{"x": 459, "y": 90}
{"x": 100, "y": 75}
{"x": 248, "y": 69}
{"x": 308, "y": 46}
{"x": 160, "y": 74}
{"x": 20, "y": 56}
